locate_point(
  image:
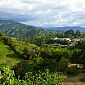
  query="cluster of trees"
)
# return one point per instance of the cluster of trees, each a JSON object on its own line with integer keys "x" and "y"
{"x": 24, "y": 50}
{"x": 81, "y": 45}
{"x": 32, "y": 34}
{"x": 29, "y": 51}
{"x": 72, "y": 34}
{"x": 37, "y": 58}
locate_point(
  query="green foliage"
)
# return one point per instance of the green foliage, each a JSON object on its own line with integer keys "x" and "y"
{"x": 24, "y": 32}
{"x": 24, "y": 67}
{"x": 63, "y": 65}
{"x": 35, "y": 58}
{"x": 78, "y": 56}
{"x": 82, "y": 79}
{"x": 7, "y": 77}
{"x": 72, "y": 71}
{"x": 22, "y": 49}
{"x": 72, "y": 34}
{"x": 45, "y": 78}
{"x": 7, "y": 55}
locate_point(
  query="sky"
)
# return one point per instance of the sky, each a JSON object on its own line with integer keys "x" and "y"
{"x": 44, "y": 12}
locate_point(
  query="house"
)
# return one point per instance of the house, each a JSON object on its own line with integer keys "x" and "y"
{"x": 62, "y": 39}
{"x": 63, "y": 42}
{"x": 76, "y": 65}
{"x": 76, "y": 40}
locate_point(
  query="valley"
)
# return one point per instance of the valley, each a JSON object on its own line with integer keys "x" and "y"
{"x": 40, "y": 57}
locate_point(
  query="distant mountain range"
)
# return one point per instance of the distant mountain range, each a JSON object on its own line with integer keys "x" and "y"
{"x": 65, "y": 28}
{"x": 18, "y": 30}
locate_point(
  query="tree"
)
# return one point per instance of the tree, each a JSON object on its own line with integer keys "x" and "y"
{"x": 77, "y": 33}
{"x": 69, "y": 33}
{"x": 63, "y": 64}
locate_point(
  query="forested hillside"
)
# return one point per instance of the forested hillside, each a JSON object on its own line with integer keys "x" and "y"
{"x": 24, "y": 61}
{"x": 32, "y": 34}
{"x": 22, "y": 31}
{"x": 37, "y": 65}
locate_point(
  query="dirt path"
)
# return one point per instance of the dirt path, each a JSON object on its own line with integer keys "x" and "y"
{"x": 74, "y": 80}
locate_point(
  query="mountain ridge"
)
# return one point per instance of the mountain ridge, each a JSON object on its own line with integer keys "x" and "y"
{"x": 22, "y": 31}
{"x": 65, "y": 28}
{"x": 54, "y": 28}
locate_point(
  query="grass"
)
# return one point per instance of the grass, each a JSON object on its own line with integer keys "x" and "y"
{"x": 7, "y": 56}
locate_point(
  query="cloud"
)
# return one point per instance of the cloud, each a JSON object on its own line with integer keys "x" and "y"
{"x": 44, "y": 12}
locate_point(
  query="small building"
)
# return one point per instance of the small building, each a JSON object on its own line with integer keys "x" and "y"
{"x": 62, "y": 39}
{"x": 76, "y": 40}
{"x": 63, "y": 42}
{"x": 76, "y": 65}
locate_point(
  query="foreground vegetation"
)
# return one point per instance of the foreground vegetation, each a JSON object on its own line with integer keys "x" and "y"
{"x": 7, "y": 77}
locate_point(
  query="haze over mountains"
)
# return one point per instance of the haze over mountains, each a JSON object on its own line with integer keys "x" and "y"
{"x": 11, "y": 25}
{"x": 65, "y": 28}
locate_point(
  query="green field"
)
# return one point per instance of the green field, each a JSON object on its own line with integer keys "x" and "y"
{"x": 7, "y": 56}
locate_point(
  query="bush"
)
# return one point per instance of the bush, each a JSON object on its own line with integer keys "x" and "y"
{"x": 7, "y": 77}
{"x": 73, "y": 71}
{"x": 82, "y": 79}
{"x": 23, "y": 67}
{"x": 45, "y": 78}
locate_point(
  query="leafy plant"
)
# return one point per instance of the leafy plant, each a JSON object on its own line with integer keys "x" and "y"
{"x": 7, "y": 77}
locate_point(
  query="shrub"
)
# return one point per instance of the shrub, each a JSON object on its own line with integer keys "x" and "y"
{"x": 73, "y": 71}
{"x": 7, "y": 77}
{"x": 82, "y": 79}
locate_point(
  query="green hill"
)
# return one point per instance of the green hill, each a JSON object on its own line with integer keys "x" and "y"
{"x": 35, "y": 35}
{"x": 19, "y": 30}
{"x": 12, "y": 51}
{"x": 7, "y": 55}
